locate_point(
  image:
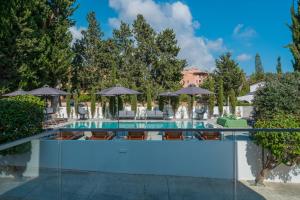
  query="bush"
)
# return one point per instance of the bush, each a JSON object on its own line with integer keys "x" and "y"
{"x": 282, "y": 147}
{"x": 232, "y": 101}
{"x": 20, "y": 117}
{"x": 279, "y": 95}
{"x": 68, "y": 104}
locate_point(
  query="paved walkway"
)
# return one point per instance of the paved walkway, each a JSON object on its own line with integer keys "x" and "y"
{"x": 71, "y": 185}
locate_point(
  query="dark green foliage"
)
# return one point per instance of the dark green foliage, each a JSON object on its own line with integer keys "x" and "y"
{"x": 149, "y": 98}
{"x": 282, "y": 147}
{"x": 229, "y": 71}
{"x": 280, "y": 95}
{"x": 295, "y": 45}
{"x": 259, "y": 70}
{"x": 278, "y": 66}
{"x": 68, "y": 104}
{"x": 112, "y": 106}
{"x": 120, "y": 103}
{"x": 21, "y": 116}
{"x": 93, "y": 102}
{"x": 174, "y": 104}
{"x": 161, "y": 102}
{"x": 134, "y": 101}
{"x": 232, "y": 101}
{"x": 76, "y": 102}
{"x": 220, "y": 96}
{"x": 211, "y": 97}
{"x": 35, "y": 43}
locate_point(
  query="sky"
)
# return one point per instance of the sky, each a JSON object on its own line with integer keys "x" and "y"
{"x": 205, "y": 29}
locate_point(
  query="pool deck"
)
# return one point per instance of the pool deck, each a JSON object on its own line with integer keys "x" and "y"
{"x": 78, "y": 185}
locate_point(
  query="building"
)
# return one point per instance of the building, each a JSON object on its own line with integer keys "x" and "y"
{"x": 250, "y": 96}
{"x": 193, "y": 76}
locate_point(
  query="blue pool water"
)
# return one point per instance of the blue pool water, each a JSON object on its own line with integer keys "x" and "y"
{"x": 138, "y": 124}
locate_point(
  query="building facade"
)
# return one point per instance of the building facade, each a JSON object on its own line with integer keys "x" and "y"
{"x": 193, "y": 76}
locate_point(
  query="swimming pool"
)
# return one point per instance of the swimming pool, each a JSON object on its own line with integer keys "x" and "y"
{"x": 138, "y": 125}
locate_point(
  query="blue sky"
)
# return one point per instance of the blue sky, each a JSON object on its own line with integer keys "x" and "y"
{"x": 206, "y": 29}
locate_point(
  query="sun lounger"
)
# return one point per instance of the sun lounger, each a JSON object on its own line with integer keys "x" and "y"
{"x": 155, "y": 114}
{"x": 101, "y": 135}
{"x": 126, "y": 114}
{"x": 136, "y": 135}
{"x": 69, "y": 135}
{"x": 173, "y": 135}
{"x": 209, "y": 136}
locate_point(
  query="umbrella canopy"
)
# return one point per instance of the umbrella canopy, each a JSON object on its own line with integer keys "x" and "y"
{"x": 168, "y": 94}
{"x": 192, "y": 90}
{"x": 47, "y": 91}
{"x": 118, "y": 90}
{"x": 16, "y": 93}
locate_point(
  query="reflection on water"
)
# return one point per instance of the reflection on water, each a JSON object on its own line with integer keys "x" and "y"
{"x": 133, "y": 125}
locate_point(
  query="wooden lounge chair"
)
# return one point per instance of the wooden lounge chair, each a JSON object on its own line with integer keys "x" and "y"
{"x": 134, "y": 135}
{"x": 173, "y": 135}
{"x": 69, "y": 135}
{"x": 209, "y": 136}
{"x": 101, "y": 135}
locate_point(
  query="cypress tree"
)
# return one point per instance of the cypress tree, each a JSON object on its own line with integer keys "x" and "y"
{"x": 211, "y": 97}
{"x": 278, "y": 66}
{"x": 259, "y": 71}
{"x": 295, "y": 45}
{"x": 220, "y": 96}
{"x": 134, "y": 101}
{"x": 68, "y": 103}
{"x": 233, "y": 101}
{"x": 149, "y": 98}
{"x": 93, "y": 102}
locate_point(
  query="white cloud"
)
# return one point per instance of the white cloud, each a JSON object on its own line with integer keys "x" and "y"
{"x": 216, "y": 45}
{"x": 76, "y": 33}
{"x": 243, "y": 32}
{"x": 243, "y": 57}
{"x": 197, "y": 50}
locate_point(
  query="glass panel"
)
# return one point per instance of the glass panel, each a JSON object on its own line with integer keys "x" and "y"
{"x": 30, "y": 171}
{"x": 180, "y": 165}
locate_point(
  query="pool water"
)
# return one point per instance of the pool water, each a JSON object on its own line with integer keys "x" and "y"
{"x": 138, "y": 125}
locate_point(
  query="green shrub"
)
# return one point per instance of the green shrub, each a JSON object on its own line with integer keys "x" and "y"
{"x": 279, "y": 95}
{"x": 282, "y": 147}
{"x": 243, "y": 103}
{"x": 20, "y": 117}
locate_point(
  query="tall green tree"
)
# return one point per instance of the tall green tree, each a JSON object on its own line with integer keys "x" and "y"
{"x": 149, "y": 98}
{"x": 91, "y": 45}
{"x": 211, "y": 97}
{"x": 93, "y": 102}
{"x": 232, "y": 101}
{"x": 259, "y": 70}
{"x": 220, "y": 96}
{"x": 230, "y": 73}
{"x": 167, "y": 69}
{"x": 35, "y": 43}
{"x": 295, "y": 30}
{"x": 278, "y": 66}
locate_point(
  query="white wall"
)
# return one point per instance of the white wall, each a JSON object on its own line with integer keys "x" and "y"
{"x": 180, "y": 158}
{"x": 211, "y": 159}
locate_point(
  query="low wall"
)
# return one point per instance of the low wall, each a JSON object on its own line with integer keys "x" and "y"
{"x": 210, "y": 159}
{"x": 178, "y": 158}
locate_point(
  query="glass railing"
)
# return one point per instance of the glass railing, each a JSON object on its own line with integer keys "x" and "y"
{"x": 154, "y": 163}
